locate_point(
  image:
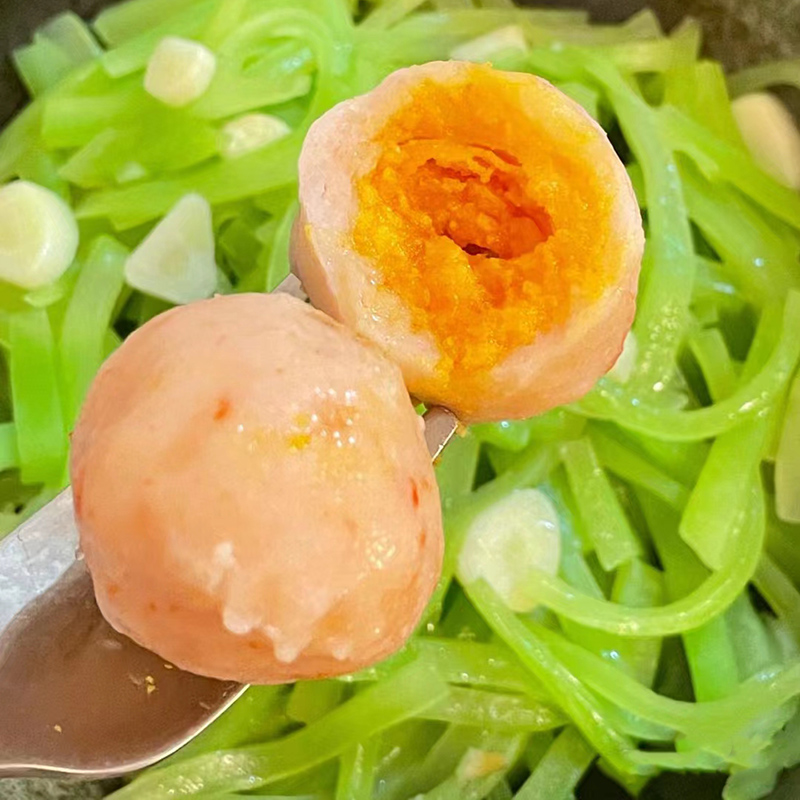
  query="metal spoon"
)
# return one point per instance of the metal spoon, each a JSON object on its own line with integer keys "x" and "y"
{"x": 78, "y": 699}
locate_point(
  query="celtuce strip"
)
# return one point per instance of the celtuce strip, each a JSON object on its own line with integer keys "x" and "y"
{"x": 706, "y": 602}
{"x": 410, "y": 691}
{"x": 82, "y": 348}
{"x": 787, "y": 463}
{"x": 609, "y": 531}
{"x": 497, "y": 42}
{"x": 41, "y": 437}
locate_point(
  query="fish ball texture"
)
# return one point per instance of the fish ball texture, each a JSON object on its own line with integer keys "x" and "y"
{"x": 254, "y": 495}
{"x": 479, "y": 227}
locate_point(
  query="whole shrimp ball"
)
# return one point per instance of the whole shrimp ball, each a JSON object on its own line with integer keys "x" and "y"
{"x": 254, "y": 495}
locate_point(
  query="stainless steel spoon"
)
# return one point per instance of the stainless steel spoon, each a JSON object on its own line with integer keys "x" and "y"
{"x": 78, "y": 699}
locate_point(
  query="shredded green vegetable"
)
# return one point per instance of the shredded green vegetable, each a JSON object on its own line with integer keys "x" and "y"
{"x": 669, "y": 640}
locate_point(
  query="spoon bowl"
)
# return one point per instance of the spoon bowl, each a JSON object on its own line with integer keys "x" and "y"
{"x": 78, "y": 698}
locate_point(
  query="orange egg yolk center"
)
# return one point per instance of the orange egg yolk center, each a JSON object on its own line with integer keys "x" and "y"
{"x": 483, "y": 220}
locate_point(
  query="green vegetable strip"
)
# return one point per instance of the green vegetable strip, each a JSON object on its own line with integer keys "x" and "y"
{"x": 703, "y": 604}
{"x": 501, "y": 792}
{"x": 720, "y": 495}
{"x": 43, "y": 168}
{"x": 15, "y": 139}
{"x": 750, "y": 401}
{"x": 757, "y": 256}
{"x": 41, "y": 438}
{"x": 492, "y": 711}
{"x": 461, "y": 620}
{"x": 257, "y": 716}
{"x": 537, "y": 748}
{"x": 573, "y": 539}
{"x": 455, "y": 469}
{"x": 782, "y": 753}
{"x": 711, "y": 280}
{"x": 449, "y": 5}
{"x": 720, "y": 160}
{"x": 440, "y": 761}
{"x": 559, "y": 772}
{"x": 236, "y": 93}
{"x": 228, "y": 17}
{"x": 709, "y": 650}
{"x": 73, "y": 35}
{"x": 357, "y": 771}
{"x": 59, "y": 47}
{"x": 41, "y": 65}
{"x": 462, "y": 662}
{"x": 764, "y": 76}
{"x": 787, "y": 460}
{"x": 264, "y": 170}
{"x": 9, "y": 453}
{"x": 555, "y": 425}
{"x": 427, "y": 36}
{"x": 405, "y": 694}
{"x": 779, "y": 591}
{"x": 87, "y": 319}
{"x": 70, "y": 120}
{"x": 513, "y": 436}
{"x": 749, "y": 636}
{"x": 782, "y": 547}
{"x": 577, "y": 572}
{"x": 639, "y": 585}
{"x": 630, "y": 466}
{"x": 716, "y": 723}
{"x": 168, "y": 142}
{"x": 655, "y": 55}
{"x": 682, "y": 460}
{"x": 278, "y": 266}
{"x": 389, "y": 13}
{"x": 126, "y": 20}
{"x": 564, "y": 687}
{"x": 709, "y": 348}
{"x": 700, "y": 91}
{"x": 463, "y": 785}
{"x": 133, "y": 54}
{"x": 311, "y": 701}
{"x": 403, "y": 749}
{"x": 663, "y": 304}
{"x": 603, "y": 518}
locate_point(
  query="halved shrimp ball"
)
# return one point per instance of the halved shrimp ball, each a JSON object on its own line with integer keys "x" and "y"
{"x": 479, "y": 227}
{"x": 254, "y": 495}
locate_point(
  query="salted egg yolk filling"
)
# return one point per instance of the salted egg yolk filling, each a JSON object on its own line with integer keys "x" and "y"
{"x": 484, "y": 215}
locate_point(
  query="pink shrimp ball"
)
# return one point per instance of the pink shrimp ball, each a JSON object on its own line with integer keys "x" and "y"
{"x": 254, "y": 495}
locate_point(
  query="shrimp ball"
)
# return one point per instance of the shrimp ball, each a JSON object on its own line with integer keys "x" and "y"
{"x": 254, "y": 495}
{"x": 479, "y": 227}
